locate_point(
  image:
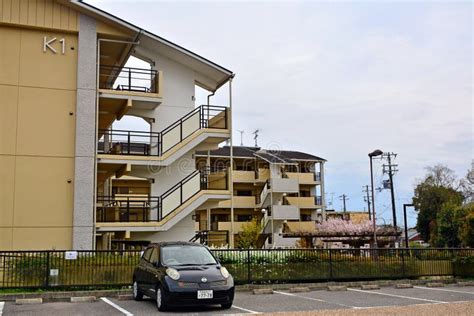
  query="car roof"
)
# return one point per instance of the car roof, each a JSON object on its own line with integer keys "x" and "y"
{"x": 174, "y": 243}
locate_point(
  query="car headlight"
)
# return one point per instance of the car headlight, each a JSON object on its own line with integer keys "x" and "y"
{"x": 172, "y": 273}
{"x": 225, "y": 273}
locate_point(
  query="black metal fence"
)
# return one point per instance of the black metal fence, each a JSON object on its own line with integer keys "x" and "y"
{"x": 76, "y": 269}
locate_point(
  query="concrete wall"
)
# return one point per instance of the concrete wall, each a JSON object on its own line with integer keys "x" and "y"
{"x": 83, "y": 218}
{"x": 182, "y": 231}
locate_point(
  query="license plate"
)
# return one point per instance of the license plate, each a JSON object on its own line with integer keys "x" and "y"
{"x": 205, "y": 294}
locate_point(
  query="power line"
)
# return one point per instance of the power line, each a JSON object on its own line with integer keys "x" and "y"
{"x": 390, "y": 169}
{"x": 343, "y": 198}
{"x": 367, "y": 196}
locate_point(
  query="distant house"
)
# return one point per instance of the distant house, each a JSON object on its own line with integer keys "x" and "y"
{"x": 414, "y": 237}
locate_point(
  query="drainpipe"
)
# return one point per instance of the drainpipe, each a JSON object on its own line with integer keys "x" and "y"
{"x": 231, "y": 180}
{"x": 209, "y": 97}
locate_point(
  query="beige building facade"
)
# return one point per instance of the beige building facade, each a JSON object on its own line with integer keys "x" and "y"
{"x": 68, "y": 178}
{"x": 271, "y": 187}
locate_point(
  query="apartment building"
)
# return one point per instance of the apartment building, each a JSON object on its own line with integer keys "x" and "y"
{"x": 273, "y": 187}
{"x": 68, "y": 179}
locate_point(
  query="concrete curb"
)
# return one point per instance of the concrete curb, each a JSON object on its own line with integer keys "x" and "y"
{"x": 83, "y": 299}
{"x": 333, "y": 288}
{"x": 262, "y": 291}
{"x": 300, "y": 289}
{"x": 25, "y": 301}
{"x": 404, "y": 286}
{"x": 435, "y": 284}
{"x": 62, "y": 296}
{"x": 125, "y": 297}
{"x": 351, "y": 284}
{"x": 65, "y": 296}
{"x": 370, "y": 287}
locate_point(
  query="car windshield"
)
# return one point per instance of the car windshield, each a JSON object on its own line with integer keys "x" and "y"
{"x": 180, "y": 255}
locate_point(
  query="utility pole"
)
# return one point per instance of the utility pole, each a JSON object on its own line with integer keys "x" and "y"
{"x": 367, "y": 198}
{"x": 343, "y": 199}
{"x": 391, "y": 169}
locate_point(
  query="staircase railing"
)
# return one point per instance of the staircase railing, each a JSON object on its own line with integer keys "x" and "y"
{"x": 123, "y": 142}
{"x": 154, "y": 209}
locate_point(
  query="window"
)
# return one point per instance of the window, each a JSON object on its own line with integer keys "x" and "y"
{"x": 244, "y": 218}
{"x": 186, "y": 255}
{"x": 305, "y": 193}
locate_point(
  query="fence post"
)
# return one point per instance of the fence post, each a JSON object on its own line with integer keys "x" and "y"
{"x": 453, "y": 262}
{"x": 249, "y": 278}
{"x": 47, "y": 271}
{"x": 403, "y": 263}
{"x": 330, "y": 265}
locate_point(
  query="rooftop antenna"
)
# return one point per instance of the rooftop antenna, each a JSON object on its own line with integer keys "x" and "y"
{"x": 241, "y": 137}
{"x": 255, "y": 133}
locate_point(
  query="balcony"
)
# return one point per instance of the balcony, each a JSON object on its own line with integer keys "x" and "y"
{"x": 127, "y": 208}
{"x": 238, "y": 226}
{"x": 305, "y": 177}
{"x": 285, "y": 212}
{"x": 243, "y": 176}
{"x": 130, "y": 81}
{"x": 138, "y": 143}
{"x": 240, "y": 202}
{"x": 304, "y": 202}
{"x": 284, "y": 185}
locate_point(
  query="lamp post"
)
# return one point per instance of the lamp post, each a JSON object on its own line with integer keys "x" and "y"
{"x": 375, "y": 153}
{"x": 406, "y": 225}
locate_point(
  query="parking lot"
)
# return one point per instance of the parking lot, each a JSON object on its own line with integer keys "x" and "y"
{"x": 421, "y": 300}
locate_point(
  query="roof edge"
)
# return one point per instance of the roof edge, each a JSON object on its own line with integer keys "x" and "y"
{"x": 135, "y": 28}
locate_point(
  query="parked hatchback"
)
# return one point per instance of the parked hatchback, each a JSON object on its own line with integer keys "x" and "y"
{"x": 182, "y": 274}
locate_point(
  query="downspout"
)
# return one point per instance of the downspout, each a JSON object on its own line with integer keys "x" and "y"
{"x": 209, "y": 97}
{"x": 231, "y": 180}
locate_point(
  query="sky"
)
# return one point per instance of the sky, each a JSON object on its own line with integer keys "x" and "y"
{"x": 337, "y": 79}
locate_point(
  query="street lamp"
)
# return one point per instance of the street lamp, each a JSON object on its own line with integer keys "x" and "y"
{"x": 375, "y": 153}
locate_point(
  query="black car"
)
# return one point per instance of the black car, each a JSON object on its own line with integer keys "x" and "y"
{"x": 182, "y": 274}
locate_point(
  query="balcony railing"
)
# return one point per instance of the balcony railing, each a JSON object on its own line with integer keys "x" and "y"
{"x": 142, "y": 208}
{"x": 128, "y": 79}
{"x": 121, "y": 142}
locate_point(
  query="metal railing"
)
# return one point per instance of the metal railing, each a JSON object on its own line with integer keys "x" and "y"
{"x": 128, "y": 79}
{"x": 125, "y": 208}
{"x": 211, "y": 237}
{"x": 62, "y": 269}
{"x": 122, "y": 142}
{"x": 138, "y": 208}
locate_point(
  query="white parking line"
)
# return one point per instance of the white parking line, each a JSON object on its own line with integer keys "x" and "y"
{"x": 246, "y": 310}
{"x": 314, "y": 299}
{"x": 2, "y": 305}
{"x": 444, "y": 290}
{"x": 123, "y": 310}
{"x": 399, "y": 296}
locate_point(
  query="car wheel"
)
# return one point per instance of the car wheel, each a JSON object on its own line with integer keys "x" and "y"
{"x": 226, "y": 306}
{"x": 137, "y": 294}
{"x": 160, "y": 302}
